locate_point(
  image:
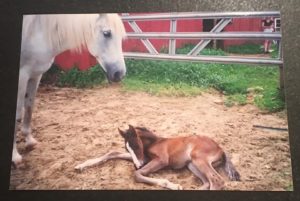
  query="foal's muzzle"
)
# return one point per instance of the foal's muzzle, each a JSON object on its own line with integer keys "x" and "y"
{"x": 142, "y": 165}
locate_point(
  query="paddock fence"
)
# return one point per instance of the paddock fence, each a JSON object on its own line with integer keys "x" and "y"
{"x": 224, "y": 18}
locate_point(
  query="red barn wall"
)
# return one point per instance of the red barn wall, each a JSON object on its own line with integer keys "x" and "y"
{"x": 242, "y": 24}
{"x": 84, "y": 60}
{"x": 135, "y": 45}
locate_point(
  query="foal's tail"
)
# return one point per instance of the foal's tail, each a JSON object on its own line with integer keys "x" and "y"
{"x": 230, "y": 170}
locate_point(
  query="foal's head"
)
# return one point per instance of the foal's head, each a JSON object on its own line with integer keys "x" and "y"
{"x": 134, "y": 145}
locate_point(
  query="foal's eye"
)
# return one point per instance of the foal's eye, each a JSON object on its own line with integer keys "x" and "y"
{"x": 107, "y": 34}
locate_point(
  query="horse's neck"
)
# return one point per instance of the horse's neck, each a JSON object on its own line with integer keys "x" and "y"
{"x": 65, "y": 47}
{"x": 62, "y": 41}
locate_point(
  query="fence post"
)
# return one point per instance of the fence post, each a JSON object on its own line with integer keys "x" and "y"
{"x": 281, "y": 80}
{"x": 172, "y": 42}
{"x": 281, "y": 70}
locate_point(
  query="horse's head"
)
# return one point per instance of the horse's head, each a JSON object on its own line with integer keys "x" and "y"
{"x": 134, "y": 146}
{"x": 106, "y": 46}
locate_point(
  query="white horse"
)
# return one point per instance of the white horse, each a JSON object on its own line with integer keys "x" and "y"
{"x": 45, "y": 36}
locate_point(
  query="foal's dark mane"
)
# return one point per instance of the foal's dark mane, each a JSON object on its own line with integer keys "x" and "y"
{"x": 147, "y": 136}
{"x": 145, "y": 133}
{"x": 143, "y": 129}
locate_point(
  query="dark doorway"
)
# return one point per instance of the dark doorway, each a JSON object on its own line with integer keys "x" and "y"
{"x": 208, "y": 25}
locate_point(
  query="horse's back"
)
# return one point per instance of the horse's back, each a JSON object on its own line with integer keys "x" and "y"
{"x": 205, "y": 147}
{"x": 194, "y": 145}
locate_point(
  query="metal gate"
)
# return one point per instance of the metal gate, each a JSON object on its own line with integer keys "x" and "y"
{"x": 215, "y": 34}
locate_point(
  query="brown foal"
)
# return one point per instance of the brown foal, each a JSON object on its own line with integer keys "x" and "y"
{"x": 151, "y": 153}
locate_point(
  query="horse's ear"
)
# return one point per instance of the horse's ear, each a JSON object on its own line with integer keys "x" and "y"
{"x": 131, "y": 129}
{"x": 122, "y": 133}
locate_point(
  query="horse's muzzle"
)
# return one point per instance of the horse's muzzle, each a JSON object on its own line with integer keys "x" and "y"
{"x": 115, "y": 71}
{"x": 116, "y": 76}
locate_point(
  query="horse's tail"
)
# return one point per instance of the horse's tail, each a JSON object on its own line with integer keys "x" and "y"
{"x": 230, "y": 170}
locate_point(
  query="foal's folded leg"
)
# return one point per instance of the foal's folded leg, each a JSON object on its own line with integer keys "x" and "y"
{"x": 215, "y": 180}
{"x": 151, "y": 167}
{"x": 200, "y": 175}
{"x": 104, "y": 158}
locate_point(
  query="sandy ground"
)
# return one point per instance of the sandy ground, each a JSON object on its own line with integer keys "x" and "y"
{"x": 73, "y": 125}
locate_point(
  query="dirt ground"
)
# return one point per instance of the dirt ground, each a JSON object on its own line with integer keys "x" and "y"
{"x": 73, "y": 125}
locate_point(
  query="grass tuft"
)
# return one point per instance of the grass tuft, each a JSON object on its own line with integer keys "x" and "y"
{"x": 236, "y": 99}
{"x": 75, "y": 78}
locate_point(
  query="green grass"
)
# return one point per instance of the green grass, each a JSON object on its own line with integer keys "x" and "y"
{"x": 239, "y": 99}
{"x": 161, "y": 89}
{"x": 245, "y": 49}
{"x": 237, "y": 82}
{"x": 206, "y": 51}
{"x": 252, "y": 49}
{"x": 75, "y": 78}
{"x": 231, "y": 79}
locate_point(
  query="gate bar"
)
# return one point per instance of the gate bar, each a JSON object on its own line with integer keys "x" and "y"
{"x": 206, "y": 35}
{"x": 145, "y": 41}
{"x": 203, "y": 15}
{"x": 203, "y": 43}
{"x": 211, "y": 59}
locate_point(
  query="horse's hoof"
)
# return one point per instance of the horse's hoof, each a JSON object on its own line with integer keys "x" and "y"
{"x": 30, "y": 144}
{"x": 17, "y": 160}
{"x": 30, "y": 147}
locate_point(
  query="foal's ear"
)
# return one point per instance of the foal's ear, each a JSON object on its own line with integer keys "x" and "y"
{"x": 131, "y": 129}
{"x": 122, "y": 133}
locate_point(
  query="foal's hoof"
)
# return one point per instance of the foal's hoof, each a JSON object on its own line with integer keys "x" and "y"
{"x": 205, "y": 187}
{"x": 79, "y": 168}
{"x": 173, "y": 186}
{"x": 177, "y": 187}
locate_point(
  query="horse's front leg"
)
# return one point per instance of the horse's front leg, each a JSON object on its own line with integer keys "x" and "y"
{"x": 32, "y": 86}
{"x": 23, "y": 79}
{"x": 16, "y": 157}
{"x": 153, "y": 166}
{"x": 104, "y": 158}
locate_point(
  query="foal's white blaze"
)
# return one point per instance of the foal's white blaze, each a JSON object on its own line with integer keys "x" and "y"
{"x": 134, "y": 158}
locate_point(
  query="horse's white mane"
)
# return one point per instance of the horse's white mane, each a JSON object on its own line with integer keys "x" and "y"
{"x": 70, "y": 30}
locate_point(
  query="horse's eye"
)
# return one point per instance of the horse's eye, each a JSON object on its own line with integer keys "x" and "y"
{"x": 107, "y": 34}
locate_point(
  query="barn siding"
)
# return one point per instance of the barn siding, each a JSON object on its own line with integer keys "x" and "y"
{"x": 250, "y": 24}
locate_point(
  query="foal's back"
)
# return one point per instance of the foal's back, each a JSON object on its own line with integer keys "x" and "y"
{"x": 180, "y": 151}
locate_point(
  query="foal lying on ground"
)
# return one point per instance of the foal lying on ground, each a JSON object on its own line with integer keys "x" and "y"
{"x": 151, "y": 153}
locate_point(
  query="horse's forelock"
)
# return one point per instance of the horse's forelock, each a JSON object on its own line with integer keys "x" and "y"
{"x": 116, "y": 21}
